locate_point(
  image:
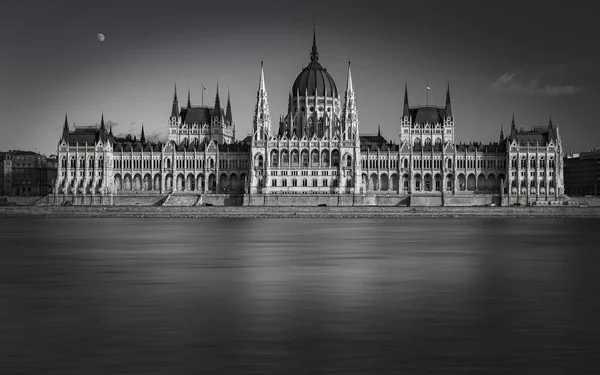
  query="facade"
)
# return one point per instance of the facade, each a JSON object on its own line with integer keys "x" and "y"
{"x": 582, "y": 173}
{"x": 26, "y": 173}
{"x": 313, "y": 155}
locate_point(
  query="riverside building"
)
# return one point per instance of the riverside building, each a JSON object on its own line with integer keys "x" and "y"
{"x": 312, "y": 155}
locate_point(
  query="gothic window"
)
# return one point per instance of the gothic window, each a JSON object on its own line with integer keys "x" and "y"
{"x": 258, "y": 161}
{"x": 294, "y": 182}
{"x": 325, "y": 183}
{"x": 304, "y": 182}
{"x": 274, "y": 182}
{"x": 523, "y": 163}
{"x": 449, "y": 163}
{"x": 314, "y": 182}
{"x": 349, "y": 161}
{"x": 284, "y": 182}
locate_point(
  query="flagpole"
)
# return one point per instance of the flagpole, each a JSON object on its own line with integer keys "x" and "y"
{"x": 202, "y": 95}
{"x": 427, "y": 95}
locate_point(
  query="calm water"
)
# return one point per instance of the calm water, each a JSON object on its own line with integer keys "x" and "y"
{"x": 282, "y": 296}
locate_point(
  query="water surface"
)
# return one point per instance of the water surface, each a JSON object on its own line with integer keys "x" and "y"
{"x": 299, "y": 296}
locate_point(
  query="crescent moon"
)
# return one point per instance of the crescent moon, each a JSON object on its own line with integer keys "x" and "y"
{"x": 101, "y": 37}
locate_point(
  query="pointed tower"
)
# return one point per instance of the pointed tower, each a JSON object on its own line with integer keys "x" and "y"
{"x": 448, "y": 106}
{"x": 501, "y": 134}
{"x": 379, "y": 130}
{"x": 102, "y": 120}
{"x": 349, "y": 113}
{"x": 513, "y": 127}
{"x": 550, "y": 125}
{"x": 142, "y": 136}
{"x": 314, "y": 54}
{"x": 65, "y": 134}
{"x": 262, "y": 116}
{"x": 406, "y": 110}
{"x": 175, "y": 108}
{"x": 228, "y": 114}
{"x": 189, "y": 103}
{"x": 217, "y": 112}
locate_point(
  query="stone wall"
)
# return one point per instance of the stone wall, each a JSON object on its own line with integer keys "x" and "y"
{"x": 467, "y": 200}
{"x": 22, "y": 201}
{"x": 587, "y": 201}
{"x": 311, "y": 200}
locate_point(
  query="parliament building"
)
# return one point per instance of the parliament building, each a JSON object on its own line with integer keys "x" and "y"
{"x": 312, "y": 155}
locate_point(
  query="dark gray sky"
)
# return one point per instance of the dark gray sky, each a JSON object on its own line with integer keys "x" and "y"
{"x": 530, "y": 58}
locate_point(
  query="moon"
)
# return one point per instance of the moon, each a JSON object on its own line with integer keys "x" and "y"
{"x": 101, "y": 37}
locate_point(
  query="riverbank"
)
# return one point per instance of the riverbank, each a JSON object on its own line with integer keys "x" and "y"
{"x": 303, "y": 212}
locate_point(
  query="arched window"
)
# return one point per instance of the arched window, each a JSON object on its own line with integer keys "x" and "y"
{"x": 258, "y": 161}
{"x": 449, "y": 163}
{"x": 427, "y": 141}
{"x": 304, "y": 182}
{"x": 349, "y": 161}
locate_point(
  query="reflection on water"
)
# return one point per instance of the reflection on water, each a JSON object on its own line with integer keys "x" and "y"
{"x": 324, "y": 296}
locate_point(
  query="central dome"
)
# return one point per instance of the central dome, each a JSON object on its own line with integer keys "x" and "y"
{"x": 314, "y": 78}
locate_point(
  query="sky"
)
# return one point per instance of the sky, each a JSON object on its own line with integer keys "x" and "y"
{"x": 533, "y": 59}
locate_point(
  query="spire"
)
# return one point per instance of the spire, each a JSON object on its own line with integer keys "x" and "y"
{"x": 501, "y": 134}
{"x": 262, "y": 115}
{"x": 550, "y": 125}
{"x": 217, "y": 112}
{"x": 379, "y": 130}
{"x": 65, "y": 135}
{"x": 261, "y": 84}
{"x": 349, "y": 112}
{"x": 405, "y": 111}
{"x": 102, "y": 120}
{"x": 142, "y": 136}
{"x": 349, "y": 87}
{"x": 189, "y": 103}
{"x": 314, "y": 55}
{"x": 175, "y": 107}
{"x": 448, "y": 106}
{"x": 228, "y": 114}
{"x": 513, "y": 127}
{"x": 110, "y": 133}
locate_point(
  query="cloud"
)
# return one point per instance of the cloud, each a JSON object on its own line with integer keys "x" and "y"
{"x": 507, "y": 82}
{"x": 157, "y": 137}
